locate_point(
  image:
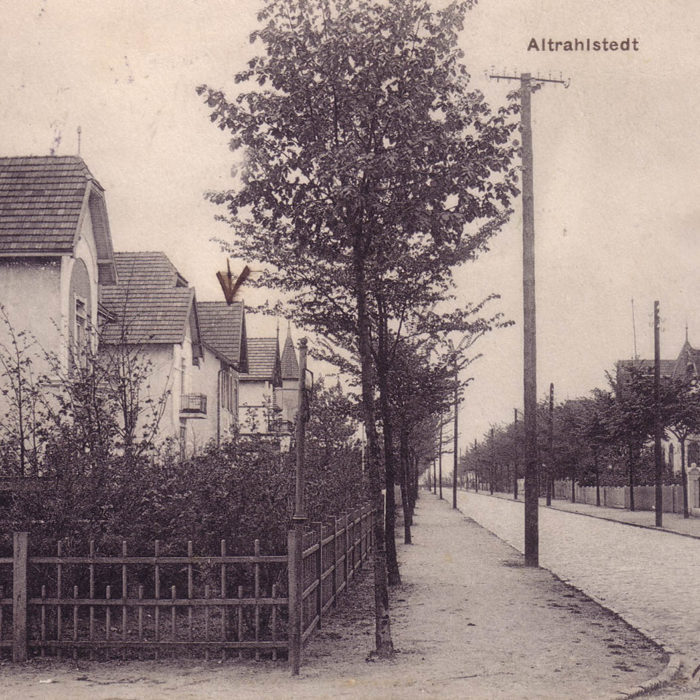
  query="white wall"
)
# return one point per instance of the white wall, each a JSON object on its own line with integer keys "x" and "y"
{"x": 30, "y": 294}
{"x": 218, "y": 421}
{"x": 255, "y": 404}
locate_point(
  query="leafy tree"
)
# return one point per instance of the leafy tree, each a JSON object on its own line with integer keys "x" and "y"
{"x": 628, "y": 413}
{"x": 421, "y": 387}
{"x": 683, "y": 421}
{"x": 335, "y": 480}
{"x": 366, "y": 157}
{"x": 593, "y": 430}
{"x": 20, "y": 395}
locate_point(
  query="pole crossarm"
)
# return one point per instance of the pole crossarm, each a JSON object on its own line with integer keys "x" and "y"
{"x": 559, "y": 81}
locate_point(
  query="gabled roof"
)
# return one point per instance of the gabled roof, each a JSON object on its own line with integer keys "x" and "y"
{"x": 289, "y": 363}
{"x": 150, "y": 304}
{"x": 687, "y": 362}
{"x": 222, "y": 329}
{"x": 148, "y": 269}
{"x": 263, "y": 360}
{"x": 43, "y": 200}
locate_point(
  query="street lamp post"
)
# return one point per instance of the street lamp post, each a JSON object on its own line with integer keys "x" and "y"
{"x": 299, "y": 520}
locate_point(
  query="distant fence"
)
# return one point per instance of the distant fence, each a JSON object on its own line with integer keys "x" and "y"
{"x": 619, "y": 496}
{"x": 614, "y": 496}
{"x": 119, "y": 606}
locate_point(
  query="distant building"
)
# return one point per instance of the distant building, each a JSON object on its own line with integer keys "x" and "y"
{"x": 223, "y": 335}
{"x": 289, "y": 391}
{"x": 686, "y": 364}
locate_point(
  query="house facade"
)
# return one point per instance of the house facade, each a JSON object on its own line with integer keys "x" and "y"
{"x": 154, "y": 322}
{"x": 224, "y": 343}
{"x": 61, "y": 282}
{"x": 269, "y": 389}
{"x": 55, "y": 251}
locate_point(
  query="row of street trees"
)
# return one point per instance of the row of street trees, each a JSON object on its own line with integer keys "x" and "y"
{"x": 602, "y": 439}
{"x": 372, "y": 171}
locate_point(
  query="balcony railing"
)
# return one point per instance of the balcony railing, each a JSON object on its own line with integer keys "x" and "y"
{"x": 193, "y": 405}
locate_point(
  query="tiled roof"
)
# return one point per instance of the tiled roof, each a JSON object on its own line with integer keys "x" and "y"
{"x": 290, "y": 365}
{"x": 222, "y": 327}
{"x": 150, "y": 303}
{"x": 41, "y": 198}
{"x": 148, "y": 269}
{"x": 263, "y": 359}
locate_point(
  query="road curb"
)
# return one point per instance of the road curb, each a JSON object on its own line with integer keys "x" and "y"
{"x": 664, "y": 678}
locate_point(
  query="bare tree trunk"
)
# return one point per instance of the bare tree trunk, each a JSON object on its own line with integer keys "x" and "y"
{"x": 405, "y": 500}
{"x": 597, "y": 477}
{"x": 631, "y": 465}
{"x": 684, "y": 479}
{"x": 384, "y": 647}
{"x": 389, "y": 457}
{"x": 573, "y": 484}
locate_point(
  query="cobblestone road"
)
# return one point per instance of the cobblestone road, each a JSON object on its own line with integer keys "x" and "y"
{"x": 650, "y": 578}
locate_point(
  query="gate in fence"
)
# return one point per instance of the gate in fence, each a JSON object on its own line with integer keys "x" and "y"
{"x": 104, "y": 606}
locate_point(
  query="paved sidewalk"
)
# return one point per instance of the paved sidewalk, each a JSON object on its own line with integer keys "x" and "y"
{"x": 644, "y": 574}
{"x": 469, "y": 621}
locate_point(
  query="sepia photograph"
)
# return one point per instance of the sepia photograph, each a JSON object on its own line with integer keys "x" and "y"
{"x": 349, "y": 348}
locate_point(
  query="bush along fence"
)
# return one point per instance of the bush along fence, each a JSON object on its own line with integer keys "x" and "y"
{"x": 101, "y": 606}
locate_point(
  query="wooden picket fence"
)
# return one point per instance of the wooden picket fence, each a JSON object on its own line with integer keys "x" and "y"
{"x": 225, "y": 605}
{"x": 331, "y": 557}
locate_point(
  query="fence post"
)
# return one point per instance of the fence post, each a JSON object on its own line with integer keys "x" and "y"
{"x": 345, "y": 558}
{"x": 294, "y": 569}
{"x": 319, "y": 572}
{"x": 335, "y": 562}
{"x": 361, "y": 542}
{"x": 20, "y": 556}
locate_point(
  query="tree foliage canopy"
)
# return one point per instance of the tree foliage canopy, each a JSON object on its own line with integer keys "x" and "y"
{"x": 358, "y": 127}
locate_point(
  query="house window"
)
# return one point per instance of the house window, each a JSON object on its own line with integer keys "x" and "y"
{"x": 671, "y": 455}
{"x": 183, "y": 366}
{"x": 225, "y": 390}
{"x": 228, "y": 391}
{"x": 693, "y": 453}
{"x": 80, "y": 332}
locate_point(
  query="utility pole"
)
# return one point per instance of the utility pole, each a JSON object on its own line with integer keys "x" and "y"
{"x": 658, "y": 430}
{"x": 515, "y": 454}
{"x": 550, "y": 444}
{"x": 532, "y": 556}
{"x": 532, "y": 535}
{"x": 492, "y": 470}
{"x": 440, "y": 457}
{"x": 455, "y": 437}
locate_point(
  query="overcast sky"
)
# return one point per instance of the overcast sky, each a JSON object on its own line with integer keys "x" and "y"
{"x": 616, "y": 159}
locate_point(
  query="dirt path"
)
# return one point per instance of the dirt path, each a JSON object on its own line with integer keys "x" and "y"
{"x": 468, "y": 621}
